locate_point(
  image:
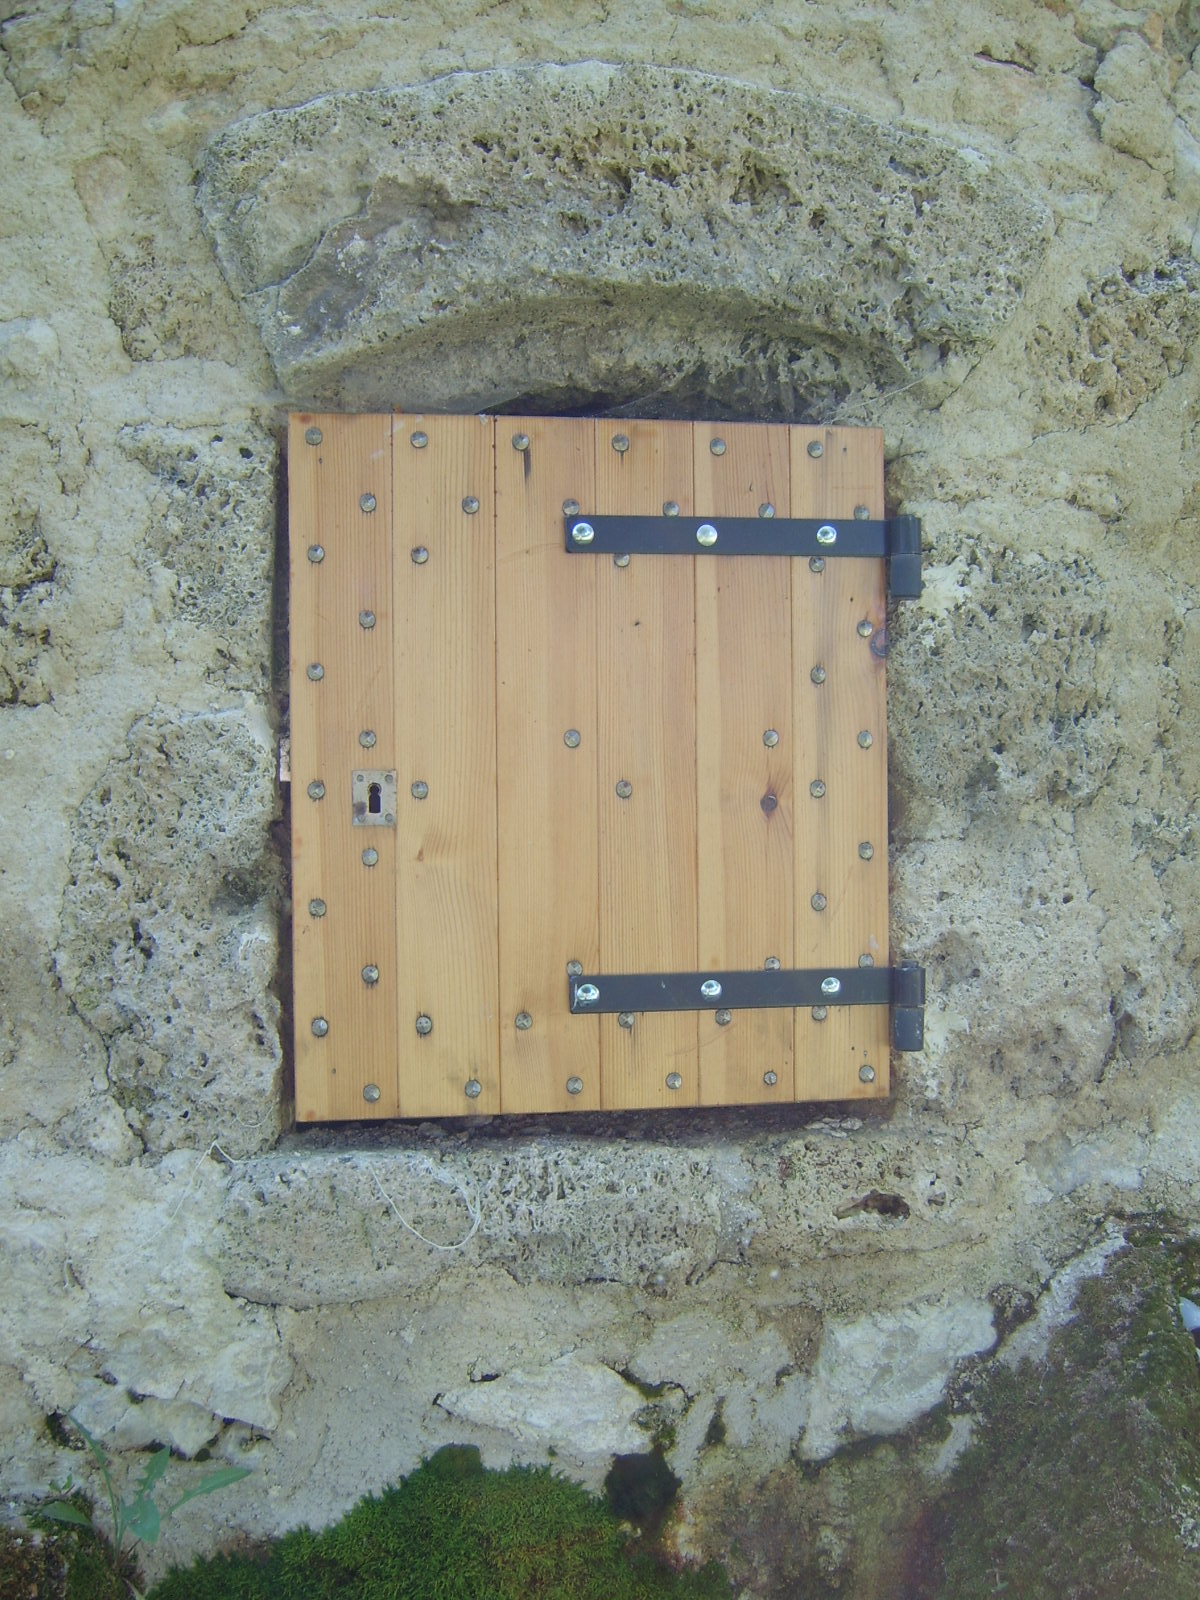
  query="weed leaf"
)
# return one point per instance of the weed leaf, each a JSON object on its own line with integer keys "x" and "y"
{"x": 65, "y": 1513}
{"x": 143, "y": 1520}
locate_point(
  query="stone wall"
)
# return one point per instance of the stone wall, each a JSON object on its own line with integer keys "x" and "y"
{"x": 976, "y": 226}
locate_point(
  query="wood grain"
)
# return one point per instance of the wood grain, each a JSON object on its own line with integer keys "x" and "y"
{"x": 546, "y": 685}
{"x": 745, "y": 857}
{"x": 827, "y": 609}
{"x": 326, "y": 485}
{"x": 445, "y": 671}
{"x": 646, "y": 631}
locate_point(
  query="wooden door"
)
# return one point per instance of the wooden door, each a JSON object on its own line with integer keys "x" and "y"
{"x": 514, "y": 762}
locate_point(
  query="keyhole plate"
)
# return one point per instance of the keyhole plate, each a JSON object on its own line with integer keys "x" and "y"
{"x": 374, "y": 798}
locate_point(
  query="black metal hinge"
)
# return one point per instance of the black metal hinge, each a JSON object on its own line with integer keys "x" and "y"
{"x": 895, "y": 539}
{"x": 901, "y": 987}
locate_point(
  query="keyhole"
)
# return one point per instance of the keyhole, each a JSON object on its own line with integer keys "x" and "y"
{"x": 374, "y": 799}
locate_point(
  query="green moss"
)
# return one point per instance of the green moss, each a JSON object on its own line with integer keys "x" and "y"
{"x": 453, "y": 1531}
{"x": 1085, "y": 1468}
{"x": 59, "y": 1563}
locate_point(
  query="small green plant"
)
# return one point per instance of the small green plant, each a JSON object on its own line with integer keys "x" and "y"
{"x": 138, "y": 1519}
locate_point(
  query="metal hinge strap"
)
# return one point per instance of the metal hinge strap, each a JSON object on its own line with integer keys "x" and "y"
{"x": 895, "y": 539}
{"x": 901, "y": 987}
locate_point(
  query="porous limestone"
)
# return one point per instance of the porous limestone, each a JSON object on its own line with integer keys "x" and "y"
{"x": 974, "y": 226}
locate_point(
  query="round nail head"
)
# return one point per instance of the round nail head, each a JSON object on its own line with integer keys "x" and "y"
{"x": 316, "y": 554}
{"x": 624, "y": 789}
{"x": 670, "y": 508}
{"x": 418, "y": 440}
{"x": 370, "y": 974}
{"x": 370, "y": 857}
{"x": 316, "y": 908}
{"x": 371, "y": 1092}
{"x": 867, "y": 1072}
{"x": 570, "y": 508}
{"x": 424, "y": 1025}
{"x": 766, "y": 509}
{"x": 472, "y": 1088}
{"x": 320, "y": 1027}
{"x": 621, "y": 561}
{"x": 625, "y": 1019}
{"x": 420, "y": 555}
{"x": 470, "y": 504}
{"x": 620, "y": 443}
{"x": 313, "y": 435}
{"x": 816, "y": 563}
{"x": 770, "y": 738}
{"x": 582, "y": 533}
{"x": 866, "y": 850}
{"x": 817, "y": 674}
{"x": 770, "y": 1079}
{"x": 522, "y": 1021}
{"x": 818, "y": 901}
{"x": 706, "y": 535}
{"x": 717, "y": 446}
{"x": 367, "y": 738}
{"x": 866, "y": 628}
{"x": 827, "y": 534}
{"x": 366, "y": 619}
{"x": 366, "y": 503}
{"x": 571, "y": 738}
{"x": 315, "y": 671}
{"x": 674, "y": 1080}
{"x": 819, "y": 1013}
{"x": 865, "y": 740}
{"x": 419, "y": 790}
{"x": 520, "y": 441}
{"x": 574, "y": 1085}
{"x": 772, "y": 964}
{"x": 817, "y": 789}
{"x": 816, "y": 449}
{"x": 316, "y": 790}
{"x": 831, "y": 986}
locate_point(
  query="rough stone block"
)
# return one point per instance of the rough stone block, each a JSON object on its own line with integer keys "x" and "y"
{"x": 558, "y": 232}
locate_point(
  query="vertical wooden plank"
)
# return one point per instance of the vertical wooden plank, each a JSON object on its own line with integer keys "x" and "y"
{"x": 445, "y": 663}
{"x": 838, "y": 622}
{"x": 745, "y": 857}
{"x": 341, "y": 683}
{"x": 545, "y": 691}
{"x": 647, "y": 712}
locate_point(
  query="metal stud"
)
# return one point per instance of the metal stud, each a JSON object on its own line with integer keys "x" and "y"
{"x": 706, "y": 535}
{"x": 419, "y": 790}
{"x": 816, "y": 563}
{"x": 420, "y": 555}
{"x": 710, "y": 989}
{"x": 424, "y": 1025}
{"x": 770, "y": 1079}
{"x": 316, "y": 554}
{"x": 624, "y": 789}
{"x": 620, "y": 443}
{"x": 472, "y": 1088}
{"x": 371, "y": 1092}
{"x": 316, "y": 790}
{"x": 418, "y": 440}
{"x": 770, "y": 738}
{"x": 717, "y": 447}
{"x": 866, "y": 850}
{"x": 574, "y": 1085}
{"x": 866, "y": 628}
{"x": 724, "y": 1018}
{"x": 366, "y": 619}
{"x": 772, "y": 964}
{"x": 766, "y": 509}
{"x": 574, "y": 969}
{"x": 819, "y": 1013}
{"x": 317, "y": 908}
{"x": 818, "y": 901}
{"x": 670, "y": 508}
{"x": 866, "y": 959}
{"x": 520, "y": 441}
{"x": 370, "y": 974}
{"x": 817, "y": 789}
{"x": 816, "y": 449}
{"x": 570, "y": 508}
{"x": 865, "y": 739}
{"x": 315, "y": 671}
{"x": 367, "y": 738}
{"x": 370, "y": 857}
{"x": 522, "y": 1021}
{"x": 470, "y": 504}
{"x": 827, "y": 533}
{"x": 313, "y": 436}
{"x": 866, "y": 1072}
{"x": 571, "y": 738}
{"x": 320, "y": 1027}
{"x": 674, "y": 1080}
{"x": 366, "y": 502}
{"x": 582, "y": 533}
{"x": 831, "y": 986}
{"x": 862, "y": 513}
{"x": 625, "y": 1019}
{"x": 817, "y": 674}
{"x": 621, "y": 561}
{"x": 587, "y": 994}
